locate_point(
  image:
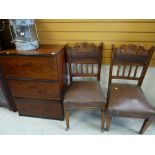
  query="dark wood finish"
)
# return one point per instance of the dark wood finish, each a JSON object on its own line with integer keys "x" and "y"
{"x": 43, "y": 50}
{"x": 108, "y": 122}
{"x": 84, "y": 54}
{"x": 131, "y": 57}
{"x": 81, "y": 60}
{"x": 62, "y": 70}
{"x": 7, "y": 94}
{"x": 37, "y": 80}
{"x": 145, "y": 125}
{"x": 35, "y": 89}
{"x": 102, "y": 118}
{"x": 40, "y": 67}
{"x": 39, "y": 108}
{"x": 66, "y": 109}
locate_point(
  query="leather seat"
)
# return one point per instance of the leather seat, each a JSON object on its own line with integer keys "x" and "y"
{"x": 128, "y": 100}
{"x": 87, "y": 93}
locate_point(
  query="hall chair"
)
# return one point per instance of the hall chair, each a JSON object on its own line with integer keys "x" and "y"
{"x": 129, "y": 62}
{"x": 83, "y": 60}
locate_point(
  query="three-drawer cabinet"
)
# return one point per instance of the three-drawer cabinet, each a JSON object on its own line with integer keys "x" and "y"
{"x": 37, "y": 80}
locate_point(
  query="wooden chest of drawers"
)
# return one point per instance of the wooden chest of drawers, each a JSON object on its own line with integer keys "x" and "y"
{"x": 37, "y": 80}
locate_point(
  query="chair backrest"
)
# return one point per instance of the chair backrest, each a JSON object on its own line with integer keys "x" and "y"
{"x": 131, "y": 62}
{"x": 84, "y": 60}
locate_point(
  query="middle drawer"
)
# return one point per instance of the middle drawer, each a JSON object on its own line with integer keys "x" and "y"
{"x": 35, "y": 89}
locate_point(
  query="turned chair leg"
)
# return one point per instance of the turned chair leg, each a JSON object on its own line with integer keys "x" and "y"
{"x": 108, "y": 122}
{"x": 102, "y": 118}
{"x": 66, "y": 111}
{"x": 145, "y": 125}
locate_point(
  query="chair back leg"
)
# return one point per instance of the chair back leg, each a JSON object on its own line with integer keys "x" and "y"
{"x": 145, "y": 125}
{"x": 102, "y": 118}
{"x": 108, "y": 122}
{"x": 66, "y": 111}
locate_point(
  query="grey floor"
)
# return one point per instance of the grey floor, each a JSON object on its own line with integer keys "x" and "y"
{"x": 85, "y": 122}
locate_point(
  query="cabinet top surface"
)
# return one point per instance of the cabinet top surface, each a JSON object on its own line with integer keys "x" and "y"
{"x": 42, "y": 50}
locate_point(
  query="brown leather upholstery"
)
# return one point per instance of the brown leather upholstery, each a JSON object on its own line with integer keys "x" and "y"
{"x": 84, "y": 93}
{"x": 128, "y": 100}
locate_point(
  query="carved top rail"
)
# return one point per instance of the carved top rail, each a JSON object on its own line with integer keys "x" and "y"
{"x": 131, "y": 54}
{"x": 85, "y": 52}
{"x": 129, "y": 59}
{"x": 86, "y": 55}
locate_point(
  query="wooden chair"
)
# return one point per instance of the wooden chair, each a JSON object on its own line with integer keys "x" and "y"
{"x": 82, "y": 59}
{"x": 128, "y": 100}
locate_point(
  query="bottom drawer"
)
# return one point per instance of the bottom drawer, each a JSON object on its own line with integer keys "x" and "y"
{"x": 40, "y": 108}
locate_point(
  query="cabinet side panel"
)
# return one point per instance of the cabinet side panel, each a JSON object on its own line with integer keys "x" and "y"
{"x": 9, "y": 103}
{"x": 62, "y": 71}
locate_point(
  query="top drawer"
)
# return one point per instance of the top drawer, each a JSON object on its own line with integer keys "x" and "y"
{"x": 34, "y": 67}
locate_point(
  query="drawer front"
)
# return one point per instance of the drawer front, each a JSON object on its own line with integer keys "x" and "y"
{"x": 34, "y": 89}
{"x": 39, "y": 108}
{"x": 33, "y": 67}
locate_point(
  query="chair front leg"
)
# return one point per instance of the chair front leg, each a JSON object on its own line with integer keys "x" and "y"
{"x": 66, "y": 111}
{"x": 102, "y": 118}
{"x": 145, "y": 125}
{"x": 108, "y": 122}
